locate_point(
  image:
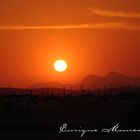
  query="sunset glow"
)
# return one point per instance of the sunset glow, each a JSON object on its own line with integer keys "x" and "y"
{"x": 92, "y": 36}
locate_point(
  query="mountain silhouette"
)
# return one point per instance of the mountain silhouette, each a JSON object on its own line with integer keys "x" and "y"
{"x": 47, "y": 85}
{"x": 113, "y": 79}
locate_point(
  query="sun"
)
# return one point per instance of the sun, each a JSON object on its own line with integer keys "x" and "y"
{"x": 60, "y": 65}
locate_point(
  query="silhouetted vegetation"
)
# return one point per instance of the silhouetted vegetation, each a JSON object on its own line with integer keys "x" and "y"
{"x": 40, "y": 112}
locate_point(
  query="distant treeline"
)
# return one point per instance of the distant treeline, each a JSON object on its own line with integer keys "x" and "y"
{"x": 33, "y": 99}
{"x": 128, "y": 91}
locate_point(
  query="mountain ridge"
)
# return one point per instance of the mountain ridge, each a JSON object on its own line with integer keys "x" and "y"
{"x": 91, "y": 81}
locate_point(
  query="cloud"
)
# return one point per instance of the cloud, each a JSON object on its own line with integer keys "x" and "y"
{"x": 62, "y": 27}
{"x": 112, "y": 25}
{"x": 109, "y": 13}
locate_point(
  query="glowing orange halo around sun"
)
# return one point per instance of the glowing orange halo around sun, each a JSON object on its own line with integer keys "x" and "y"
{"x": 60, "y": 65}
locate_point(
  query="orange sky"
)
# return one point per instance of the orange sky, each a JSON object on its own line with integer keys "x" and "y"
{"x": 93, "y": 36}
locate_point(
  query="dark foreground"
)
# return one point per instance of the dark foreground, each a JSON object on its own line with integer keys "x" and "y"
{"x": 40, "y": 117}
